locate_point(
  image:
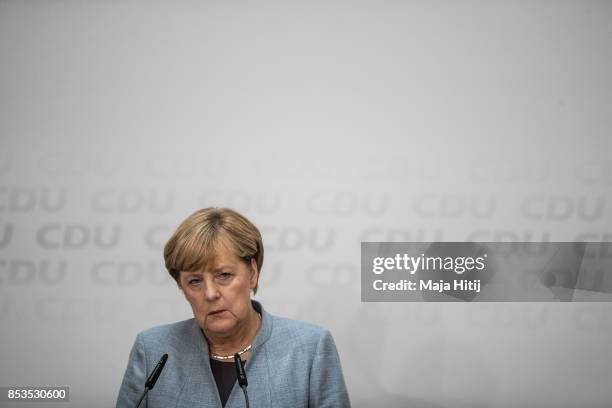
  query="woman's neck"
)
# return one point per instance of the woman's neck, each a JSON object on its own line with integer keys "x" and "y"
{"x": 236, "y": 341}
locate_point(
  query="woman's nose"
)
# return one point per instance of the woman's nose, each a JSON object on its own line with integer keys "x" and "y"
{"x": 211, "y": 292}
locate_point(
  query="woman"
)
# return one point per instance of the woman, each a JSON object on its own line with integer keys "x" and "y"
{"x": 215, "y": 256}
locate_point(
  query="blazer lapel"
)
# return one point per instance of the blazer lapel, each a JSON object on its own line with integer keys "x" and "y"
{"x": 199, "y": 389}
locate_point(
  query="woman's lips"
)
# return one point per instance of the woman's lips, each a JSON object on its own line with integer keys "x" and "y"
{"x": 216, "y": 312}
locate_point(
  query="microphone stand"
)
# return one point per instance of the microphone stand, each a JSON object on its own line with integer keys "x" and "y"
{"x": 242, "y": 378}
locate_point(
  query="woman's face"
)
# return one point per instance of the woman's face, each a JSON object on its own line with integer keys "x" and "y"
{"x": 220, "y": 293}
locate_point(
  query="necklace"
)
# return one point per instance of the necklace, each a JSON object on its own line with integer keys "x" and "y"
{"x": 222, "y": 358}
{"x": 241, "y": 352}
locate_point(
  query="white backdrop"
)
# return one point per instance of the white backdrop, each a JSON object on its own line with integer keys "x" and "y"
{"x": 327, "y": 124}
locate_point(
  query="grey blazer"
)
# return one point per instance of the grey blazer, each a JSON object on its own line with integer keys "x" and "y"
{"x": 291, "y": 364}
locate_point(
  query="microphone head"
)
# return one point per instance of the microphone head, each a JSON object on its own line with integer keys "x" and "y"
{"x": 240, "y": 373}
{"x": 156, "y": 372}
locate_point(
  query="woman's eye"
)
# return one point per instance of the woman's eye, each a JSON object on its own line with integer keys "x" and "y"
{"x": 194, "y": 281}
{"x": 225, "y": 275}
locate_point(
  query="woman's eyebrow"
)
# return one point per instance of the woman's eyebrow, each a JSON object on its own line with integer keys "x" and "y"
{"x": 200, "y": 273}
{"x": 192, "y": 273}
{"x": 222, "y": 267}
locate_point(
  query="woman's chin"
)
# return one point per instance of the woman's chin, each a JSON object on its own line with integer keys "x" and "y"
{"x": 219, "y": 326}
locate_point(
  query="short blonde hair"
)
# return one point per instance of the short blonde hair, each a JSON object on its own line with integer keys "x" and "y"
{"x": 195, "y": 241}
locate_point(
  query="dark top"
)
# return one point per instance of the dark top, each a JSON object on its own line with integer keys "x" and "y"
{"x": 225, "y": 377}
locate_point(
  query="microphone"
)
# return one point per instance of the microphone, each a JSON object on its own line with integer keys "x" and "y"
{"x": 156, "y": 372}
{"x": 153, "y": 377}
{"x": 242, "y": 378}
